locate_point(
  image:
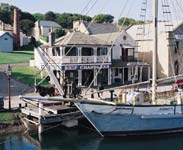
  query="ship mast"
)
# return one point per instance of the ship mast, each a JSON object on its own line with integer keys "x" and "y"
{"x": 155, "y": 49}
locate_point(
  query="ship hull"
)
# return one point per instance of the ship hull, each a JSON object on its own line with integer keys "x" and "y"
{"x": 119, "y": 120}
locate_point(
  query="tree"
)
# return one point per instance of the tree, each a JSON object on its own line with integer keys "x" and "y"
{"x": 26, "y": 26}
{"x": 103, "y": 18}
{"x": 50, "y": 16}
{"x": 38, "y": 16}
{"x": 128, "y": 21}
{"x": 66, "y": 19}
{"x": 6, "y": 13}
{"x": 6, "y": 16}
{"x": 59, "y": 33}
{"x": 26, "y": 15}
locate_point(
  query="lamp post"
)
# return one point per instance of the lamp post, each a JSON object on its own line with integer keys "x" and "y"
{"x": 9, "y": 87}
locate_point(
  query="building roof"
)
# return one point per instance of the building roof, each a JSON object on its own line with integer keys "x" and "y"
{"x": 148, "y": 29}
{"x": 46, "y": 23}
{"x": 101, "y": 28}
{"x": 78, "y": 38}
{"x": 4, "y": 32}
{"x": 108, "y": 37}
{"x": 114, "y": 38}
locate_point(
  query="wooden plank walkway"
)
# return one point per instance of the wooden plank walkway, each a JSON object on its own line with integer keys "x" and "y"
{"x": 53, "y": 114}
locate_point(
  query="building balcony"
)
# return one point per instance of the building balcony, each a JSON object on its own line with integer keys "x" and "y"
{"x": 79, "y": 59}
{"x": 128, "y": 59}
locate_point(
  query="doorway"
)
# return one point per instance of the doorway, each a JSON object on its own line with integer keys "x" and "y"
{"x": 87, "y": 77}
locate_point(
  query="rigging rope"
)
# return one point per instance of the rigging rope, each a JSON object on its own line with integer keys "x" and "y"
{"x": 171, "y": 34}
{"x": 110, "y": 50}
{"x": 58, "y": 67}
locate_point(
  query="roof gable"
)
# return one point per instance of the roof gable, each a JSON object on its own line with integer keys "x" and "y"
{"x": 78, "y": 38}
{"x": 46, "y": 23}
{"x": 2, "y": 33}
{"x": 101, "y": 28}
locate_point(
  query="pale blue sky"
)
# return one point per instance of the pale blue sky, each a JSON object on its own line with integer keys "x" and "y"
{"x": 113, "y": 7}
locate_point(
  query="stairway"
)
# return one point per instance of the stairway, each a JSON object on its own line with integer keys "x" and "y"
{"x": 50, "y": 72}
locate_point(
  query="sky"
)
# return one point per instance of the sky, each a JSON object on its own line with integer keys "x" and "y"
{"x": 114, "y": 7}
{"x": 117, "y": 8}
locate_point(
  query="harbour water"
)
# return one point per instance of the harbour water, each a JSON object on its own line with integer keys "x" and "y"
{"x": 82, "y": 139}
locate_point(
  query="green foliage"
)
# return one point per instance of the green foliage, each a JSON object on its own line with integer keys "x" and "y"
{"x": 6, "y": 116}
{"x": 103, "y": 18}
{"x": 66, "y": 19}
{"x": 38, "y": 16}
{"x": 27, "y": 75}
{"x": 26, "y": 15}
{"x": 26, "y": 25}
{"x": 26, "y": 19}
{"x": 6, "y": 13}
{"x": 50, "y": 16}
{"x": 128, "y": 21}
{"x": 59, "y": 33}
{"x": 16, "y": 57}
{"x": 44, "y": 38}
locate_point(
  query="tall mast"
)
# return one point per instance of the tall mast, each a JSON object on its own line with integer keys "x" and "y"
{"x": 155, "y": 49}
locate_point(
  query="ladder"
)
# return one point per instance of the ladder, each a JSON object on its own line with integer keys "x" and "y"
{"x": 48, "y": 69}
{"x": 167, "y": 16}
{"x": 141, "y": 28}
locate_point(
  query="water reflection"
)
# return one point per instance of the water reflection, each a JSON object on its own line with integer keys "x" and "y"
{"x": 81, "y": 139}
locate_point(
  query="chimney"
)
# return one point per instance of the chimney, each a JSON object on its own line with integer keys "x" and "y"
{"x": 51, "y": 38}
{"x": 16, "y": 28}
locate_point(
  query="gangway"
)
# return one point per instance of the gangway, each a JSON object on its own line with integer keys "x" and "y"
{"x": 46, "y": 63}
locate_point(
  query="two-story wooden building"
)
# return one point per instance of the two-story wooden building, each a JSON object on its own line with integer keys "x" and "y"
{"x": 80, "y": 57}
{"x": 103, "y": 59}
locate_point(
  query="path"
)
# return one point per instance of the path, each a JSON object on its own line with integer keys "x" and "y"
{"x": 17, "y": 88}
{"x": 3, "y": 67}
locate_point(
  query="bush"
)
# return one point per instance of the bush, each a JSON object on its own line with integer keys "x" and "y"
{"x": 59, "y": 33}
{"x": 44, "y": 38}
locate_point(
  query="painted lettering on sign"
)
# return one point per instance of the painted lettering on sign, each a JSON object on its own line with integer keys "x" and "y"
{"x": 85, "y": 67}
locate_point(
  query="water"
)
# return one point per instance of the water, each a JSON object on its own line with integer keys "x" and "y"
{"x": 77, "y": 139}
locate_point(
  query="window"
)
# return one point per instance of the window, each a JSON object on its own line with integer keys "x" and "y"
{"x": 101, "y": 51}
{"x": 58, "y": 51}
{"x": 71, "y": 51}
{"x": 5, "y": 39}
{"x": 87, "y": 51}
{"x": 53, "y": 52}
{"x": 116, "y": 72}
{"x": 124, "y": 37}
{"x": 130, "y": 52}
{"x": 176, "y": 49}
{"x": 176, "y": 67}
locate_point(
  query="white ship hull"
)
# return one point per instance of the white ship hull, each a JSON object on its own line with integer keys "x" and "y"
{"x": 128, "y": 120}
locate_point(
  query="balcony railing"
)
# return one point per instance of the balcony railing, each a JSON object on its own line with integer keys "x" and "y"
{"x": 80, "y": 59}
{"x": 128, "y": 58}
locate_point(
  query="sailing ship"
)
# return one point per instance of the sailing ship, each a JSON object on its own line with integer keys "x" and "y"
{"x": 137, "y": 117}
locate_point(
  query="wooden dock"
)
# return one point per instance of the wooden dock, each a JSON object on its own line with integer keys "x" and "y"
{"x": 52, "y": 114}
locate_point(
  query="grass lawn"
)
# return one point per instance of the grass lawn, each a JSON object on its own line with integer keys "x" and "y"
{"x": 16, "y": 57}
{"x": 27, "y": 75}
{"x": 6, "y": 116}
